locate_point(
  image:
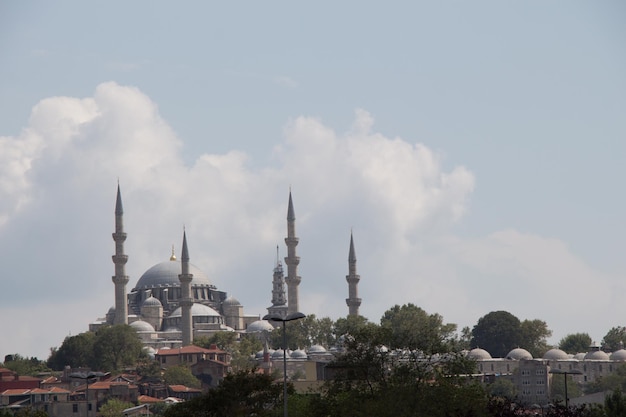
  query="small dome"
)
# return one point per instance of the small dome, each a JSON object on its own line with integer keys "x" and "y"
{"x": 555, "y": 355}
{"x": 479, "y": 354}
{"x": 317, "y": 349}
{"x": 196, "y": 310}
{"x": 618, "y": 355}
{"x": 150, "y": 351}
{"x": 151, "y": 302}
{"x": 231, "y": 301}
{"x": 519, "y": 354}
{"x": 142, "y": 326}
{"x": 579, "y": 356}
{"x": 259, "y": 326}
{"x": 299, "y": 354}
{"x": 278, "y": 354}
{"x": 596, "y": 355}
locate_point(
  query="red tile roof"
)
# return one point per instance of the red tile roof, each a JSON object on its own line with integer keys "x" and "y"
{"x": 183, "y": 388}
{"x": 187, "y": 350}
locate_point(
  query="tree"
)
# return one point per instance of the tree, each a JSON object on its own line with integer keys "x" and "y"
{"x": 241, "y": 350}
{"x": 614, "y": 339}
{"x": 181, "y": 375}
{"x": 503, "y": 388}
{"x": 615, "y": 404}
{"x": 75, "y": 352}
{"x": 557, "y": 387}
{"x": 534, "y": 335}
{"x": 117, "y": 346}
{"x": 410, "y": 327}
{"x": 575, "y": 343}
{"x": 240, "y": 394}
{"x": 114, "y": 408}
{"x": 498, "y": 333}
{"x": 25, "y": 366}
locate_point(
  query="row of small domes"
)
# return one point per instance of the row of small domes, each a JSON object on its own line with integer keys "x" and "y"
{"x": 553, "y": 354}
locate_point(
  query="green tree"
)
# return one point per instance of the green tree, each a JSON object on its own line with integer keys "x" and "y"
{"x": 504, "y": 388}
{"x": 24, "y": 366}
{"x": 241, "y": 350}
{"x": 76, "y": 352}
{"x": 349, "y": 325}
{"x": 614, "y": 339}
{"x": 181, "y": 375}
{"x": 498, "y": 333}
{"x": 410, "y": 327}
{"x": 615, "y": 404}
{"x": 557, "y": 387}
{"x": 575, "y": 343}
{"x": 114, "y": 408}
{"x": 240, "y": 394}
{"x": 534, "y": 335}
{"x": 117, "y": 346}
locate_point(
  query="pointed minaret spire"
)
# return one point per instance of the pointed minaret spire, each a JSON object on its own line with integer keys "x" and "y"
{"x": 120, "y": 279}
{"x": 292, "y": 261}
{"x": 185, "y": 300}
{"x": 353, "y": 301}
{"x": 279, "y": 303}
{"x": 291, "y": 215}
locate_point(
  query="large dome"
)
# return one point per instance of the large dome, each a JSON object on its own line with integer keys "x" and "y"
{"x": 479, "y": 354}
{"x": 165, "y": 274}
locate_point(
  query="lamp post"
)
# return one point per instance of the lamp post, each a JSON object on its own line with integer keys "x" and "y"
{"x": 86, "y": 376}
{"x": 289, "y": 317}
{"x": 565, "y": 374}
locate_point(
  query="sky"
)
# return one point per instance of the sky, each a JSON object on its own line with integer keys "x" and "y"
{"x": 474, "y": 149}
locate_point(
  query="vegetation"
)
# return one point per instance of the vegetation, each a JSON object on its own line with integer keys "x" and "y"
{"x": 499, "y": 332}
{"x": 24, "y": 366}
{"x": 181, "y": 375}
{"x": 575, "y": 343}
{"x": 114, "y": 408}
{"x": 110, "y": 348}
{"x": 614, "y": 339}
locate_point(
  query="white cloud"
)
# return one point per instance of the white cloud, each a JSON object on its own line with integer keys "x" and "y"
{"x": 286, "y": 81}
{"x": 57, "y": 180}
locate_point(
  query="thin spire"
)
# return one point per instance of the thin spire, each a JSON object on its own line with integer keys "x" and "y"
{"x": 173, "y": 257}
{"x": 118, "y": 202}
{"x": 352, "y": 254}
{"x": 184, "y": 257}
{"x": 290, "y": 213}
{"x": 277, "y": 256}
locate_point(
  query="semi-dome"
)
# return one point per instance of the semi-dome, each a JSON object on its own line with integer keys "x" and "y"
{"x": 142, "y": 326}
{"x": 196, "y": 310}
{"x": 259, "y": 326}
{"x": 555, "y": 355}
{"x": 519, "y": 354}
{"x": 151, "y": 302}
{"x": 166, "y": 273}
{"x": 479, "y": 354}
{"x": 618, "y": 355}
{"x": 596, "y": 355}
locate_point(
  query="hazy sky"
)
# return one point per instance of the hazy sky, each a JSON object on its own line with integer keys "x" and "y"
{"x": 476, "y": 150}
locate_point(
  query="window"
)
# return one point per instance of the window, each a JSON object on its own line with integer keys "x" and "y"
{"x": 540, "y": 382}
{"x": 540, "y": 372}
{"x": 74, "y": 408}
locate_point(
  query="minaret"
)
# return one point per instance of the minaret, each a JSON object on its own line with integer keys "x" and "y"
{"x": 279, "y": 302}
{"x": 120, "y": 279}
{"x": 292, "y": 261}
{"x": 353, "y": 301}
{"x": 185, "y": 301}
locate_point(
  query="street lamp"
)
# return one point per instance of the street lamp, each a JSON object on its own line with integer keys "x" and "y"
{"x": 87, "y": 376}
{"x": 565, "y": 374}
{"x": 289, "y": 317}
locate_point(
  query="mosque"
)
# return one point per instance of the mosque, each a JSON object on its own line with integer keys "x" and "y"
{"x": 174, "y": 302}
